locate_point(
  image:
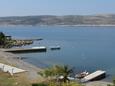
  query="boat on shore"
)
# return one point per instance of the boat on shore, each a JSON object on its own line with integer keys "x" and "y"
{"x": 82, "y": 75}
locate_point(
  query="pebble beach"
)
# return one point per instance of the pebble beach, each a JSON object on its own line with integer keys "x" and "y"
{"x": 13, "y": 60}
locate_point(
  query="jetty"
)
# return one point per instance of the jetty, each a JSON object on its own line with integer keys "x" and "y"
{"x": 30, "y": 39}
{"x": 24, "y": 50}
{"x": 10, "y": 69}
{"x": 97, "y": 75}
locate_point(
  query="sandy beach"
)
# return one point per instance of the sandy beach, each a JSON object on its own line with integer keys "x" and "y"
{"x": 12, "y": 59}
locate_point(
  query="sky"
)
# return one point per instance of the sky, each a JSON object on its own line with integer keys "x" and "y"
{"x": 56, "y": 7}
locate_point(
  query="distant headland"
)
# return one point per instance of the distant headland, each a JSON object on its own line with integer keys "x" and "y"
{"x": 66, "y": 20}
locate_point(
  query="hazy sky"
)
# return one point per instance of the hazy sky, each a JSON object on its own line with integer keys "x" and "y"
{"x": 56, "y": 7}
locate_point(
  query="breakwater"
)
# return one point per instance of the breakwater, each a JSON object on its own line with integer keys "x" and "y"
{"x": 21, "y": 42}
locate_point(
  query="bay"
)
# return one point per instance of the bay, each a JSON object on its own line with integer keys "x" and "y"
{"x": 85, "y": 48}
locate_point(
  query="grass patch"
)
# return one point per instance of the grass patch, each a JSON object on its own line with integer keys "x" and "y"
{"x": 54, "y": 83}
{"x": 17, "y": 80}
{"x": 5, "y": 80}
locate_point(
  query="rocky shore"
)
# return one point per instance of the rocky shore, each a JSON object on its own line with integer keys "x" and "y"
{"x": 21, "y": 42}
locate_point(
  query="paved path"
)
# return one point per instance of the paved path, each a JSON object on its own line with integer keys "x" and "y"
{"x": 97, "y": 83}
{"x": 10, "y": 69}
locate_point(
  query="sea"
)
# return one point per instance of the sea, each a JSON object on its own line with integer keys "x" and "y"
{"x": 88, "y": 48}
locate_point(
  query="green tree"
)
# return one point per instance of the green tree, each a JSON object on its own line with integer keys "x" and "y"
{"x": 57, "y": 71}
{"x": 2, "y": 38}
{"x": 64, "y": 71}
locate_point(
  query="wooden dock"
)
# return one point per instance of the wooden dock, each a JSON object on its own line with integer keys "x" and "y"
{"x": 24, "y": 50}
{"x": 97, "y": 75}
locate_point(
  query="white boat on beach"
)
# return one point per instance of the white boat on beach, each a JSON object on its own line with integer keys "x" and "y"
{"x": 82, "y": 75}
{"x": 69, "y": 78}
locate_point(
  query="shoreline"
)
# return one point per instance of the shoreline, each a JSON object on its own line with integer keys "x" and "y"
{"x": 11, "y": 59}
{"x": 79, "y": 25}
{"x": 32, "y": 70}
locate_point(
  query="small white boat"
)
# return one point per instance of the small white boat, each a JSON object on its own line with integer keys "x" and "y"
{"x": 69, "y": 78}
{"x": 82, "y": 75}
{"x": 55, "y": 47}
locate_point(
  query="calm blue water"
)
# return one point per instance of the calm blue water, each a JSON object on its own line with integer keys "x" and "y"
{"x": 86, "y": 48}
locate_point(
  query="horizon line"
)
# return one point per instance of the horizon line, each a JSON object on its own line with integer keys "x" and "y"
{"x": 60, "y": 15}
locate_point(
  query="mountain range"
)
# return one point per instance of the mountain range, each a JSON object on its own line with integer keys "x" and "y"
{"x": 59, "y": 20}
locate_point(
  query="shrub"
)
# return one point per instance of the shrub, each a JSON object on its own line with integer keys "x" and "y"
{"x": 40, "y": 84}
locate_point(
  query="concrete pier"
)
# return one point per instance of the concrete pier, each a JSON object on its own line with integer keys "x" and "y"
{"x": 24, "y": 50}
{"x": 97, "y": 75}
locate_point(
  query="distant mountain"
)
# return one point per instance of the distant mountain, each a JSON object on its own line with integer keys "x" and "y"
{"x": 59, "y": 20}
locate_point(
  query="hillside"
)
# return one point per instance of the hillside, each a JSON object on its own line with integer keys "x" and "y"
{"x": 59, "y": 20}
